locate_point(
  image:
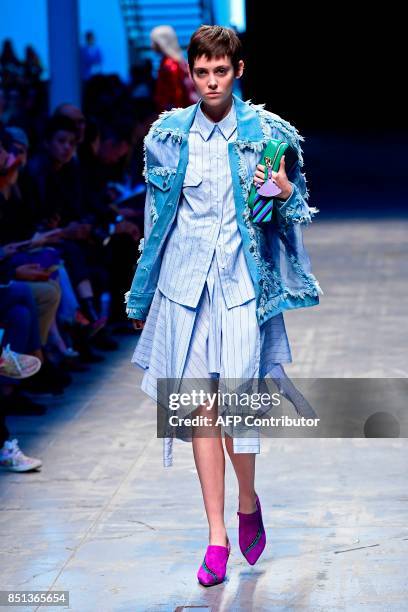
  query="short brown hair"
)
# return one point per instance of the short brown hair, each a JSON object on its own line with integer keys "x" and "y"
{"x": 214, "y": 41}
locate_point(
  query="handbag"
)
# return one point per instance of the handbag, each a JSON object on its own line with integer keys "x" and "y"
{"x": 261, "y": 198}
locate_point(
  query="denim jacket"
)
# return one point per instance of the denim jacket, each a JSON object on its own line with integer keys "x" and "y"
{"x": 276, "y": 256}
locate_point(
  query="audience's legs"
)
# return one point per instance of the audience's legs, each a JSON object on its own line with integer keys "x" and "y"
{"x": 47, "y": 296}
{"x": 18, "y": 310}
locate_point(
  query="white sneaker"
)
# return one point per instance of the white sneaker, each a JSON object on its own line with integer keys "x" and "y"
{"x": 18, "y": 365}
{"x": 14, "y": 460}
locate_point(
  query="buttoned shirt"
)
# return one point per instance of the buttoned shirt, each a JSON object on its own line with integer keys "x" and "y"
{"x": 206, "y": 221}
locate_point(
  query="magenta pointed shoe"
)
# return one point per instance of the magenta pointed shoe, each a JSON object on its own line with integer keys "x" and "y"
{"x": 214, "y": 567}
{"x": 252, "y": 537}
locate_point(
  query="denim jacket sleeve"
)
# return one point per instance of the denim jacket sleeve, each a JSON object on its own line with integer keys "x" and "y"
{"x": 134, "y": 313}
{"x": 296, "y": 208}
{"x": 148, "y": 224}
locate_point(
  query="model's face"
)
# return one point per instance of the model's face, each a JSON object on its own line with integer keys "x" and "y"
{"x": 214, "y": 79}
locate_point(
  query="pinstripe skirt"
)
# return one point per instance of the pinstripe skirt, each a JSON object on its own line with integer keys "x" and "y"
{"x": 208, "y": 342}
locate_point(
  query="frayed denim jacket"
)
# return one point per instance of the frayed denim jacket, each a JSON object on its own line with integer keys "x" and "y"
{"x": 277, "y": 259}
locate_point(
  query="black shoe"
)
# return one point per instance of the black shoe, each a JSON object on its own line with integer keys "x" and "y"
{"x": 50, "y": 379}
{"x": 104, "y": 342}
{"x": 20, "y": 404}
{"x": 82, "y": 344}
{"x": 87, "y": 355}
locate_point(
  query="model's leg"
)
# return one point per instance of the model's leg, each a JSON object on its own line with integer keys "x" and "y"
{"x": 252, "y": 537}
{"x": 210, "y": 463}
{"x": 244, "y": 467}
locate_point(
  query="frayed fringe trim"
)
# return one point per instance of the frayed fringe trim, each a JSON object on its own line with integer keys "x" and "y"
{"x": 154, "y": 215}
{"x": 256, "y": 146}
{"x": 286, "y": 128}
{"x": 274, "y": 303}
{"x": 267, "y": 119}
{"x": 255, "y": 106}
{"x": 162, "y": 133}
{"x": 162, "y": 116}
{"x": 144, "y": 173}
{"x": 140, "y": 249}
{"x": 162, "y": 170}
{"x": 132, "y": 313}
{"x": 309, "y": 279}
{"x": 297, "y": 214}
{"x": 243, "y": 177}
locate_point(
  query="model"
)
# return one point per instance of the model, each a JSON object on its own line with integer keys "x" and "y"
{"x": 211, "y": 285}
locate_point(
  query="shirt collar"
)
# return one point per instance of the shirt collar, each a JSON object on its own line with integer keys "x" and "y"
{"x": 206, "y": 127}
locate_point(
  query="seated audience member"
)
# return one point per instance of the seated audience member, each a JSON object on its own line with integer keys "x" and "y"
{"x": 76, "y": 115}
{"x": 33, "y": 280}
{"x": 24, "y": 208}
{"x": 99, "y": 156}
{"x": 60, "y": 205}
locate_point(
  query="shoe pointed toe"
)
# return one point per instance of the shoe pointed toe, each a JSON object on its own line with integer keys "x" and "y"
{"x": 213, "y": 569}
{"x": 251, "y": 534}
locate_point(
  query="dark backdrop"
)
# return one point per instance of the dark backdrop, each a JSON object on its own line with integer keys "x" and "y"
{"x": 339, "y": 76}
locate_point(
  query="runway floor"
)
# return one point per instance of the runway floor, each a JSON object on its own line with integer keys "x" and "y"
{"x": 104, "y": 521}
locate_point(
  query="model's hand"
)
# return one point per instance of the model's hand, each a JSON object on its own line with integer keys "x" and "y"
{"x": 138, "y": 324}
{"x": 279, "y": 177}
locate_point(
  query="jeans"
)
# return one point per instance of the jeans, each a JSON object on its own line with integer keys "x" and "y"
{"x": 18, "y": 315}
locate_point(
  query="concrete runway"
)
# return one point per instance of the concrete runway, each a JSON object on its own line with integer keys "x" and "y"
{"x": 106, "y": 522}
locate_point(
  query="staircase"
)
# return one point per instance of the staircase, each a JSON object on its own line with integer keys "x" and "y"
{"x": 141, "y": 16}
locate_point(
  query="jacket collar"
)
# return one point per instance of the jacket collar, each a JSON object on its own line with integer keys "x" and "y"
{"x": 248, "y": 123}
{"x": 206, "y": 127}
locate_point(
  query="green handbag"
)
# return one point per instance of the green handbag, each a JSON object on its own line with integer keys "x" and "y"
{"x": 260, "y": 199}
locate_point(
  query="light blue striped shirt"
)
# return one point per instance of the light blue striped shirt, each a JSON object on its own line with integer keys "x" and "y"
{"x": 206, "y": 221}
